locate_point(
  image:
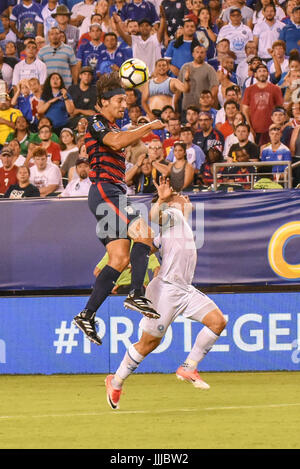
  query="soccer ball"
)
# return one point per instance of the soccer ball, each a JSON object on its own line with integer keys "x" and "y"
{"x": 133, "y": 73}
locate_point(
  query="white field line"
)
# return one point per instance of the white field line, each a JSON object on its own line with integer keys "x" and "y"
{"x": 143, "y": 412}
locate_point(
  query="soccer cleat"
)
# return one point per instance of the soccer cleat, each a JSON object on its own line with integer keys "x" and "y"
{"x": 88, "y": 327}
{"x": 112, "y": 395}
{"x": 141, "y": 304}
{"x": 191, "y": 377}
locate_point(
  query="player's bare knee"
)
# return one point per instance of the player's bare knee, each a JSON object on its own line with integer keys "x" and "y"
{"x": 147, "y": 344}
{"x": 119, "y": 262}
{"x": 216, "y": 321}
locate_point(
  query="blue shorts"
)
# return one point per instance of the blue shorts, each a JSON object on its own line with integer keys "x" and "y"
{"x": 113, "y": 211}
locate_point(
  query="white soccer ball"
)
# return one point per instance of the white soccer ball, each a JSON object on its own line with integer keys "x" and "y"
{"x": 133, "y": 73}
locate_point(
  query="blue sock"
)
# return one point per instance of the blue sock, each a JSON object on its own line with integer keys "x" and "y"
{"x": 102, "y": 288}
{"x": 139, "y": 258}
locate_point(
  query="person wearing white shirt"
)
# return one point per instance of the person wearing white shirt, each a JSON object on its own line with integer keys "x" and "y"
{"x": 258, "y": 15}
{"x": 46, "y": 176}
{"x": 82, "y": 10}
{"x": 79, "y": 187}
{"x": 31, "y": 67}
{"x": 47, "y": 11}
{"x": 147, "y": 46}
{"x": 242, "y": 68}
{"x": 237, "y": 33}
{"x": 267, "y": 31}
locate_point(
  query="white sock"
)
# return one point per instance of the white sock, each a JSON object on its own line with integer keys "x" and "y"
{"x": 128, "y": 365}
{"x": 203, "y": 344}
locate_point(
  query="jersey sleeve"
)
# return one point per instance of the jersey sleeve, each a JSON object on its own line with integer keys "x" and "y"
{"x": 98, "y": 129}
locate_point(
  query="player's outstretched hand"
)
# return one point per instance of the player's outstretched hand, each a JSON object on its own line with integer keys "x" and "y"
{"x": 157, "y": 125}
{"x": 164, "y": 189}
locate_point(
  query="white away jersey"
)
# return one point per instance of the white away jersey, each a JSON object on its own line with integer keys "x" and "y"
{"x": 177, "y": 249}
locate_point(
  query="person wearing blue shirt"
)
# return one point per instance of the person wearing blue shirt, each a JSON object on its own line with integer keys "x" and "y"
{"x": 275, "y": 150}
{"x": 291, "y": 32}
{"x": 139, "y": 10}
{"x": 179, "y": 51}
{"x": 195, "y": 154}
{"x": 26, "y": 20}
{"x": 89, "y": 53}
{"x": 111, "y": 53}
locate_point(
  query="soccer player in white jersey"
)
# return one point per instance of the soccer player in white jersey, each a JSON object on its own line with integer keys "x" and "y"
{"x": 172, "y": 294}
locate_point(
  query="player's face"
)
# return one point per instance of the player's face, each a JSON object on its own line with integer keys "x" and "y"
{"x": 182, "y": 203}
{"x": 117, "y": 105}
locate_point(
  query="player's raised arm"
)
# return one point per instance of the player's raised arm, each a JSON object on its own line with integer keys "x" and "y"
{"x": 164, "y": 194}
{"x": 120, "y": 140}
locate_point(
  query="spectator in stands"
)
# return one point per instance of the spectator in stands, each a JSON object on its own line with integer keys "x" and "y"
{"x": 6, "y": 71}
{"x": 242, "y": 142}
{"x": 142, "y": 175}
{"x": 194, "y": 155}
{"x": 81, "y": 127}
{"x": 206, "y": 104}
{"x": 224, "y": 78}
{"x": 253, "y": 63}
{"x": 231, "y": 108}
{"x": 179, "y": 51}
{"x": 246, "y": 12}
{"x": 67, "y": 144}
{"x": 201, "y": 76}
{"x": 112, "y": 55}
{"x": 160, "y": 90}
{"x": 7, "y": 34}
{"x": 59, "y": 58}
{"x": 80, "y": 186}
{"x": 207, "y": 32}
{"x": 34, "y": 137}
{"x": 69, "y": 166}
{"x": 15, "y": 147}
{"x": 22, "y": 101}
{"x": 279, "y": 117}
{"x": 290, "y": 34}
{"x": 26, "y": 20}
{"x": 258, "y": 11}
{"x": 10, "y": 54}
{"x": 267, "y": 31}
{"x": 280, "y": 63}
{"x": 31, "y": 67}
{"x": 242, "y": 68}
{"x": 21, "y": 133}
{"x": 192, "y": 118}
{"x": 89, "y": 53}
{"x": 222, "y": 49}
{"x": 242, "y": 174}
{"x": 174, "y": 127}
{"x": 180, "y": 173}
{"x": 47, "y": 8}
{"x": 56, "y": 102}
{"x": 22, "y": 188}
{"x": 208, "y": 137}
{"x": 146, "y": 46}
{"x": 83, "y": 95}
{"x": 258, "y": 103}
{"x": 8, "y": 172}
{"x": 134, "y": 112}
{"x": 52, "y": 148}
{"x": 8, "y": 116}
{"x": 237, "y": 33}
{"x": 214, "y": 155}
{"x": 62, "y": 16}
{"x": 44, "y": 174}
{"x": 275, "y": 150}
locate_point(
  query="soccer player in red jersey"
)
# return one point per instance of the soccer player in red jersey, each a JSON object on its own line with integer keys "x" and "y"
{"x": 117, "y": 220}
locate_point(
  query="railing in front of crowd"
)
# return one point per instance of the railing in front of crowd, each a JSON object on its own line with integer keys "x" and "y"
{"x": 286, "y": 174}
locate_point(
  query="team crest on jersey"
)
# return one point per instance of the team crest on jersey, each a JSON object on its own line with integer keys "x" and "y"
{"x": 160, "y": 328}
{"x": 280, "y": 157}
{"x": 98, "y": 126}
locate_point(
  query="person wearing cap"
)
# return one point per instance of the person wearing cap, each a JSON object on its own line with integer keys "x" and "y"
{"x": 246, "y": 12}
{"x": 26, "y": 20}
{"x": 279, "y": 117}
{"x": 8, "y": 172}
{"x": 291, "y": 32}
{"x": 62, "y": 17}
{"x": 89, "y": 53}
{"x": 146, "y": 46}
{"x": 138, "y": 10}
{"x": 59, "y": 58}
{"x": 200, "y": 75}
{"x": 267, "y": 31}
{"x": 84, "y": 95}
{"x": 79, "y": 187}
{"x": 253, "y": 63}
{"x": 237, "y": 33}
{"x": 275, "y": 150}
{"x": 258, "y": 103}
{"x": 67, "y": 143}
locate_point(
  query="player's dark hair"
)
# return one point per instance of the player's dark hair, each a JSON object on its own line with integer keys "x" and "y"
{"x": 107, "y": 82}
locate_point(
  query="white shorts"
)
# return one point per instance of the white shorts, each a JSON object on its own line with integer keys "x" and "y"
{"x": 171, "y": 301}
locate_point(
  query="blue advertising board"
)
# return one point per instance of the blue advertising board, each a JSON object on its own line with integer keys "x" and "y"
{"x": 37, "y": 336}
{"x": 248, "y": 238}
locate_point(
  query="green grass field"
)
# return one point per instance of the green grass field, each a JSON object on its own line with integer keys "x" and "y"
{"x": 241, "y": 410}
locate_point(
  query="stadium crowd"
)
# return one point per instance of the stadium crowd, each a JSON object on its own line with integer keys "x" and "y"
{"x": 225, "y": 80}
